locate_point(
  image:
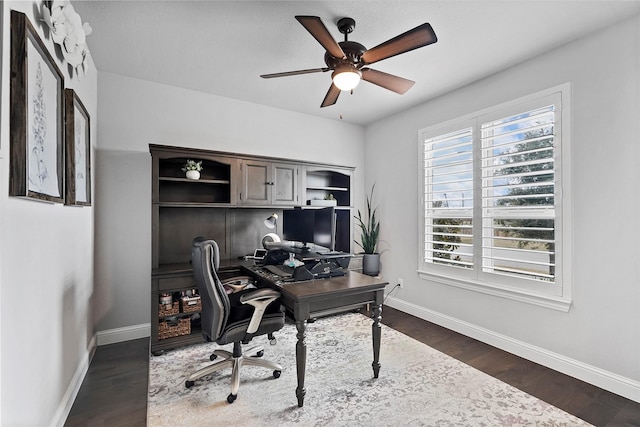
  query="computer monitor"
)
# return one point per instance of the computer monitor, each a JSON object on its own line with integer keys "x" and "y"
{"x": 325, "y": 228}
{"x": 298, "y": 225}
{"x": 316, "y": 226}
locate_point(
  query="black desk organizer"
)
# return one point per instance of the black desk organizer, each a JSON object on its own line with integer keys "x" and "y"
{"x": 316, "y": 266}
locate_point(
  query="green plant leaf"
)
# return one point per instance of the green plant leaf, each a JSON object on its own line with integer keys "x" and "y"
{"x": 369, "y": 227}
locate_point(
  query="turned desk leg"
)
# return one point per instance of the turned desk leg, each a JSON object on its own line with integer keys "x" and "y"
{"x": 301, "y": 360}
{"x": 376, "y": 331}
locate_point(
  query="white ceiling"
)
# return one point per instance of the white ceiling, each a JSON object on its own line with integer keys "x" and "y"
{"x": 221, "y": 47}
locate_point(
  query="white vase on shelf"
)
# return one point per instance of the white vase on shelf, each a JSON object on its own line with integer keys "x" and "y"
{"x": 193, "y": 175}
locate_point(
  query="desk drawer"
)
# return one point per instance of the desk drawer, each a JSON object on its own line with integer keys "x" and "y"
{"x": 174, "y": 283}
{"x": 348, "y": 301}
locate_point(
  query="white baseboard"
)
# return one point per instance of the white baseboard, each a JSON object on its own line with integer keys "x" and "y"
{"x": 606, "y": 380}
{"x": 112, "y": 336}
{"x": 66, "y": 403}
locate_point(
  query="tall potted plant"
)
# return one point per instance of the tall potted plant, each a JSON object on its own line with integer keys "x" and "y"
{"x": 369, "y": 230}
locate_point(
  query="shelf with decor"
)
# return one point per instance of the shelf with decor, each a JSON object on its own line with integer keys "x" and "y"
{"x": 180, "y": 324}
{"x": 312, "y": 188}
{"x": 174, "y": 322}
{"x": 212, "y": 186}
{"x": 199, "y": 181}
{"x": 323, "y": 183}
{"x": 331, "y": 186}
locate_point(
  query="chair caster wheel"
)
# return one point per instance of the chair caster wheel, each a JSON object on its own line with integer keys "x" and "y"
{"x": 213, "y": 357}
{"x": 273, "y": 341}
{"x": 260, "y": 353}
{"x": 276, "y": 374}
{"x": 231, "y": 398}
{"x": 189, "y": 384}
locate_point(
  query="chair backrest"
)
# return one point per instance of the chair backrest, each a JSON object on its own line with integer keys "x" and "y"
{"x": 205, "y": 259}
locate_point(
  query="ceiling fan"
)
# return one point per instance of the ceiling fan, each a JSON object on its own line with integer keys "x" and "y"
{"x": 349, "y": 60}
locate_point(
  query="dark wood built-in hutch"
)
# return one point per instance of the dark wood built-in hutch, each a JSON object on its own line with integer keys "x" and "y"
{"x": 229, "y": 203}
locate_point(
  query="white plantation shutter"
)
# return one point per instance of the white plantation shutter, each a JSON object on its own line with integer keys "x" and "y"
{"x": 448, "y": 196}
{"x": 495, "y": 204}
{"x": 518, "y": 193}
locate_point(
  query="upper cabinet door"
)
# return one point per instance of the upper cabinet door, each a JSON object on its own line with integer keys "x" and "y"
{"x": 269, "y": 184}
{"x": 256, "y": 178}
{"x": 285, "y": 184}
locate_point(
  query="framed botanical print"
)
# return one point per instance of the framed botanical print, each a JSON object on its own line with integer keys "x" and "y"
{"x": 78, "y": 151}
{"x": 36, "y": 111}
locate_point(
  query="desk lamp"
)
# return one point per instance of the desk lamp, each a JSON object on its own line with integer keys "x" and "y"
{"x": 271, "y": 221}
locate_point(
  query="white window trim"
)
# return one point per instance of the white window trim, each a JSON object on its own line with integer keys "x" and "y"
{"x": 561, "y": 298}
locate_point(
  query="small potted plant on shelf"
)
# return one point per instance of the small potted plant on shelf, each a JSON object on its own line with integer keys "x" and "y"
{"x": 369, "y": 228}
{"x": 192, "y": 169}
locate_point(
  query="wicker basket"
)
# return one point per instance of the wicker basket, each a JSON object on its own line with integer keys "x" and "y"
{"x": 168, "y": 310}
{"x": 165, "y": 330}
{"x": 190, "y": 305}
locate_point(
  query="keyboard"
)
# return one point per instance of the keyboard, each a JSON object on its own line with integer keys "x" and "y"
{"x": 280, "y": 270}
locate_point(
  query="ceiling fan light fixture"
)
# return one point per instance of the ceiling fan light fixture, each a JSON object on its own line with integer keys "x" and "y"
{"x": 346, "y": 79}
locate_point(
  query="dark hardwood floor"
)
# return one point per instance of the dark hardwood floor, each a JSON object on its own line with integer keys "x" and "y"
{"x": 114, "y": 391}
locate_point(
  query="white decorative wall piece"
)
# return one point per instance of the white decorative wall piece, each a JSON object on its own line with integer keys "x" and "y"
{"x": 68, "y": 31}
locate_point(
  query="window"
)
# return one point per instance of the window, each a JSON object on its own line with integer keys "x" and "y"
{"x": 449, "y": 199}
{"x": 494, "y": 201}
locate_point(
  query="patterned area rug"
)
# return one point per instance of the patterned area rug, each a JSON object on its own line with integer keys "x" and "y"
{"x": 418, "y": 386}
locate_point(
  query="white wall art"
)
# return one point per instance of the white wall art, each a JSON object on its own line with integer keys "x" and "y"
{"x": 37, "y": 140}
{"x": 78, "y": 151}
{"x": 68, "y": 31}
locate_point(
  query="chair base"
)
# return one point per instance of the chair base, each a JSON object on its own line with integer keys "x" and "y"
{"x": 235, "y": 363}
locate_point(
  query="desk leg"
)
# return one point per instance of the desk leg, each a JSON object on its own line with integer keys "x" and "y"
{"x": 301, "y": 360}
{"x": 376, "y": 330}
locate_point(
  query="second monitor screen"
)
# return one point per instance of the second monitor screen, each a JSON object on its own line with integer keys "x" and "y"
{"x": 310, "y": 226}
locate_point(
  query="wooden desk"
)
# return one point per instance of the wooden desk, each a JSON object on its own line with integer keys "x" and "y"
{"x": 315, "y": 298}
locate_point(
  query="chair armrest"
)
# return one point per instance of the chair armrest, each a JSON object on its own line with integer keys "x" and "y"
{"x": 236, "y": 284}
{"x": 259, "y": 299}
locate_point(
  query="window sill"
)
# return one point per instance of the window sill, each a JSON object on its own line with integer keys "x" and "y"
{"x": 547, "y": 301}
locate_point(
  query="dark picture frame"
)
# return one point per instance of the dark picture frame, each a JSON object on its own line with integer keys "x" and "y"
{"x": 78, "y": 151}
{"x": 36, "y": 166}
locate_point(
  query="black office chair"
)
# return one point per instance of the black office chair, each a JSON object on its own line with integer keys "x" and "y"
{"x": 232, "y": 318}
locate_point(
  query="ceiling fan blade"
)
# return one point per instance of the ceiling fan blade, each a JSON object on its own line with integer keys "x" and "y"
{"x": 388, "y": 81}
{"x": 314, "y": 25}
{"x": 294, "y": 73}
{"x": 420, "y": 36}
{"x": 331, "y": 97}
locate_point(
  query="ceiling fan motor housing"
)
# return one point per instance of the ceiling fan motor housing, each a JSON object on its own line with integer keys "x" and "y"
{"x": 352, "y": 50}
